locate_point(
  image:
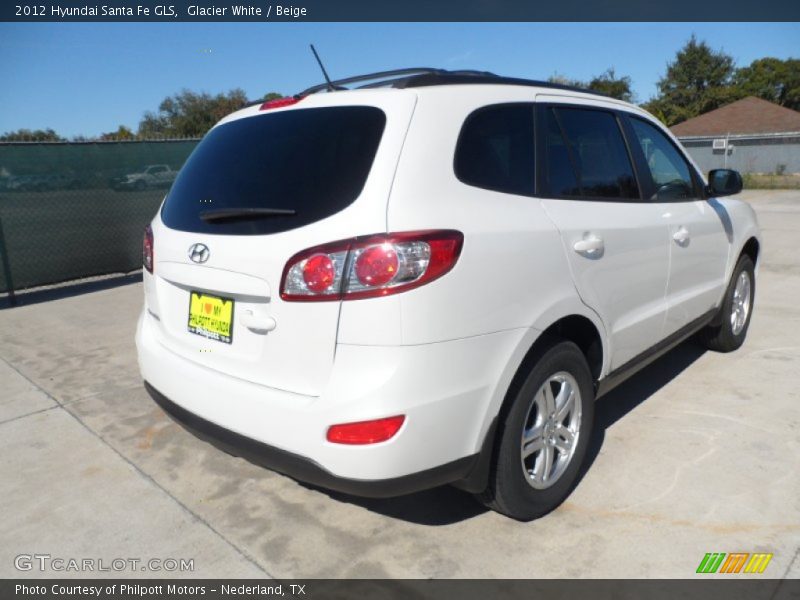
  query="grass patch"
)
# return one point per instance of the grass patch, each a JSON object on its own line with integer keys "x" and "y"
{"x": 771, "y": 181}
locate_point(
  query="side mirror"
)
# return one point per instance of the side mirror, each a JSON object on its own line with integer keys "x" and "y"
{"x": 724, "y": 182}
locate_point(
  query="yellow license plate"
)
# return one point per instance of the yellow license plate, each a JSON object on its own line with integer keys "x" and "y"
{"x": 211, "y": 317}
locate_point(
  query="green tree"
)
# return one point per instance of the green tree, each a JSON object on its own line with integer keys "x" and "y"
{"x": 190, "y": 114}
{"x": 606, "y": 83}
{"x": 771, "y": 79}
{"x": 564, "y": 80}
{"x": 27, "y": 135}
{"x": 697, "y": 81}
{"x": 122, "y": 133}
{"x": 272, "y": 96}
{"x": 609, "y": 84}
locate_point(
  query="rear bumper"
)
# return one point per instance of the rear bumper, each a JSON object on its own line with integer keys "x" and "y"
{"x": 306, "y": 470}
{"x": 445, "y": 391}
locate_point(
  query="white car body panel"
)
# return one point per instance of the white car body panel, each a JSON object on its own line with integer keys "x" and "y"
{"x": 626, "y": 284}
{"x": 444, "y": 407}
{"x": 697, "y": 266}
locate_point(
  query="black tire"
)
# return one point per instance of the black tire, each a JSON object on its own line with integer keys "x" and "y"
{"x": 508, "y": 491}
{"x": 720, "y": 336}
{"x": 140, "y": 186}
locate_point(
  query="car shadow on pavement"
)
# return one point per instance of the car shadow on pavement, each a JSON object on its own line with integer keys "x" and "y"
{"x": 628, "y": 395}
{"x": 68, "y": 290}
{"x": 444, "y": 505}
{"x": 447, "y": 505}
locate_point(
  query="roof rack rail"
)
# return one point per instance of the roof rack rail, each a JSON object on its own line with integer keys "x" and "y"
{"x": 426, "y": 76}
{"x": 440, "y": 77}
{"x": 475, "y": 77}
{"x": 338, "y": 83}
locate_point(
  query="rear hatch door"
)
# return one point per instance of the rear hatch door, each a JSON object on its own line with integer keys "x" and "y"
{"x": 316, "y": 172}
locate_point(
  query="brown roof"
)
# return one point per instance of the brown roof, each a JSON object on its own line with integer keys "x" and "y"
{"x": 748, "y": 115}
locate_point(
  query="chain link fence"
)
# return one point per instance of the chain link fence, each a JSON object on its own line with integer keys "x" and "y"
{"x": 71, "y": 210}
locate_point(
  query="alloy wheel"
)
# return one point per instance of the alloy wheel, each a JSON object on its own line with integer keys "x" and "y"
{"x": 551, "y": 430}
{"x": 741, "y": 303}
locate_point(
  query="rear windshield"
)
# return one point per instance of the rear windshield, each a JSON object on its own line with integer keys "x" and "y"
{"x": 312, "y": 161}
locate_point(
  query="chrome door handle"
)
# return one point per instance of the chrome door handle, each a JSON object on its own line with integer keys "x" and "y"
{"x": 681, "y": 236}
{"x": 257, "y": 323}
{"x": 590, "y": 246}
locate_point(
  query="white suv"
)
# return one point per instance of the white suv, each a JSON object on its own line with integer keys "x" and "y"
{"x": 430, "y": 278}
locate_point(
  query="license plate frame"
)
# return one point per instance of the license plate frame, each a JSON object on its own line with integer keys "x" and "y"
{"x": 208, "y": 303}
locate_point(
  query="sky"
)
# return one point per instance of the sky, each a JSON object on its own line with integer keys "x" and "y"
{"x": 87, "y": 78}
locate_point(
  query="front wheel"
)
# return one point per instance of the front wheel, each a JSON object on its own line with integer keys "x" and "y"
{"x": 729, "y": 328}
{"x": 543, "y": 436}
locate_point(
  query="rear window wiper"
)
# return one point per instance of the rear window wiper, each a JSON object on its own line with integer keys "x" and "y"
{"x": 225, "y": 214}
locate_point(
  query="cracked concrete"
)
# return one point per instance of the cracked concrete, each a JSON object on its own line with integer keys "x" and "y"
{"x": 700, "y": 452}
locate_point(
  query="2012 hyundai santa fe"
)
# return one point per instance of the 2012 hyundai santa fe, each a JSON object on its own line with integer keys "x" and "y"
{"x": 429, "y": 279}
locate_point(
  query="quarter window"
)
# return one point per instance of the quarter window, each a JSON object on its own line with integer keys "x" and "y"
{"x": 599, "y": 160}
{"x": 670, "y": 172}
{"x": 495, "y": 149}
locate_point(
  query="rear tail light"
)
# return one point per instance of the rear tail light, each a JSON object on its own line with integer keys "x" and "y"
{"x": 371, "y": 266}
{"x": 147, "y": 249}
{"x": 319, "y": 273}
{"x": 365, "y": 432}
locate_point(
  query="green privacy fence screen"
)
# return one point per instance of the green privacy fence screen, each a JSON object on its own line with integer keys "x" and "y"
{"x": 78, "y": 209}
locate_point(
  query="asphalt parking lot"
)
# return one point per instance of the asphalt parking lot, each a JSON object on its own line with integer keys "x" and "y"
{"x": 698, "y": 453}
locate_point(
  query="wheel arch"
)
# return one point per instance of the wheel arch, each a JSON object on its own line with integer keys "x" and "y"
{"x": 576, "y": 328}
{"x": 568, "y": 320}
{"x": 746, "y": 235}
{"x": 582, "y": 327}
{"x": 752, "y": 248}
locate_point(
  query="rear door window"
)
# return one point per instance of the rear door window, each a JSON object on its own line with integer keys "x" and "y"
{"x": 495, "y": 150}
{"x": 312, "y": 161}
{"x": 560, "y": 173}
{"x": 597, "y": 155}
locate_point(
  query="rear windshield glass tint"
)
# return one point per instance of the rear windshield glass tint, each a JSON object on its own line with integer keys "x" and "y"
{"x": 312, "y": 161}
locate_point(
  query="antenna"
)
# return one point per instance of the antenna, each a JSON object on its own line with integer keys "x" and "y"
{"x": 321, "y": 66}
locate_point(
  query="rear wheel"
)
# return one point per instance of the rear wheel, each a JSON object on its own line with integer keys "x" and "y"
{"x": 729, "y": 328}
{"x": 543, "y": 437}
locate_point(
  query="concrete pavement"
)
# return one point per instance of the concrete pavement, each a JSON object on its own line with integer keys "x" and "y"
{"x": 700, "y": 452}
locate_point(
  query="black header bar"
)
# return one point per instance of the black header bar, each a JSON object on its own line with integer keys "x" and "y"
{"x": 737, "y": 587}
{"x": 408, "y": 10}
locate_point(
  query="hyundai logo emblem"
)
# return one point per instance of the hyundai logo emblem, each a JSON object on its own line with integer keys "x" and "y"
{"x": 199, "y": 253}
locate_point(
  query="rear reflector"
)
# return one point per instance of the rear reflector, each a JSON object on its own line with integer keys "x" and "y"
{"x": 147, "y": 249}
{"x": 280, "y": 102}
{"x": 365, "y": 432}
{"x": 370, "y": 266}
